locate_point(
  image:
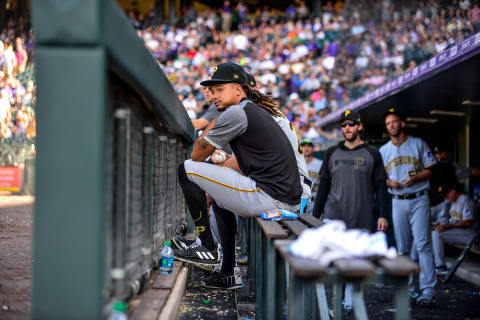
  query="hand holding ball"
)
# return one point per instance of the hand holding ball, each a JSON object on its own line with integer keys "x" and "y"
{"x": 219, "y": 157}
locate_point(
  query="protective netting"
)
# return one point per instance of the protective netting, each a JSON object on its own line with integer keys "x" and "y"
{"x": 145, "y": 202}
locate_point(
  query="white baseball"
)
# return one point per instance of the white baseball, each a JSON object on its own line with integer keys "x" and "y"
{"x": 220, "y": 157}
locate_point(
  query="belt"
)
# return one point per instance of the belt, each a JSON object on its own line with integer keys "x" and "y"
{"x": 409, "y": 196}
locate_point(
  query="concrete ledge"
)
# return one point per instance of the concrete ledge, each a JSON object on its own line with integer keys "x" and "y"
{"x": 162, "y": 299}
{"x": 170, "y": 310}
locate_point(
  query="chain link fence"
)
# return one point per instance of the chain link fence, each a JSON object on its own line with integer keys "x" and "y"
{"x": 145, "y": 200}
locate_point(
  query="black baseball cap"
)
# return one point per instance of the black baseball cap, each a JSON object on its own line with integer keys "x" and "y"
{"x": 350, "y": 114}
{"x": 226, "y": 73}
{"x": 251, "y": 80}
{"x": 306, "y": 141}
{"x": 394, "y": 111}
{"x": 457, "y": 186}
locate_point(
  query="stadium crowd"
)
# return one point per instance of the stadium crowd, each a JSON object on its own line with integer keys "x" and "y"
{"x": 309, "y": 65}
{"x": 17, "y": 90}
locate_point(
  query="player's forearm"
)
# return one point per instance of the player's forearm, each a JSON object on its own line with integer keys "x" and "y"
{"x": 201, "y": 148}
{"x": 231, "y": 163}
{"x": 424, "y": 175}
{"x": 199, "y": 124}
{"x": 460, "y": 224}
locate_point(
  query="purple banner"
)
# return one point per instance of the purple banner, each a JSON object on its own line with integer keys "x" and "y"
{"x": 444, "y": 60}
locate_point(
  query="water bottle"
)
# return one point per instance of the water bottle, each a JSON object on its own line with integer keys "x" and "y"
{"x": 118, "y": 312}
{"x": 166, "y": 261}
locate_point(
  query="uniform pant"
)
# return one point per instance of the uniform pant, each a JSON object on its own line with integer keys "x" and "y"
{"x": 231, "y": 190}
{"x": 438, "y": 214}
{"x": 411, "y": 220}
{"x": 450, "y": 236}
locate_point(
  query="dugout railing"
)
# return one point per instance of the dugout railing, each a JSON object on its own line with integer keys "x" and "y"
{"x": 111, "y": 134}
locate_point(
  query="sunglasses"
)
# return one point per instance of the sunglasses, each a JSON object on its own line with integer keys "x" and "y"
{"x": 350, "y": 124}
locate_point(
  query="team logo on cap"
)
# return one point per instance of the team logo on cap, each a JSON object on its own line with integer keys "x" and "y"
{"x": 235, "y": 76}
{"x": 347, "y": 113}
{"x": 391, "y": 110}
{"x": 214, "y": 70}
{"x": 251, "y": 83}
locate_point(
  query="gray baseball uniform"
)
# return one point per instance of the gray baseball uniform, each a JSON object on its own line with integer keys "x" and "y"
{"x": 460, "y": 210}
{"x": 314, "y": 175}
{"x": 410, "y": 205}
{"x": 271, "y": 177}
{"x": 302, "y": 165}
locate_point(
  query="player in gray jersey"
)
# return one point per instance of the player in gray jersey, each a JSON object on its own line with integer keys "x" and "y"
{"x": 351, "y": 174}
{"x": 457, "y": 228}
{"x": 268, "y": 177}
{"x": 407, "y": 161}
{"x": 314, "y": 166}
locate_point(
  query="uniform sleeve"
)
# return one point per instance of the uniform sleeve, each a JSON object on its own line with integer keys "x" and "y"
{"x": 467, "y": 210}
{"x": 323, "y": 185}
{"x": 211, "y": 113}
{"x": 379, "y": 172}
{"x": 379, "y": 177}
{"x": 428, "y": 160}
{"x": 230, "y": 124}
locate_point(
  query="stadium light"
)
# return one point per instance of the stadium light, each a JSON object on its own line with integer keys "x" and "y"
{"x": 422, "y": 120}
{"x": 449, "y": 113}
{"x": 472, "y": 103}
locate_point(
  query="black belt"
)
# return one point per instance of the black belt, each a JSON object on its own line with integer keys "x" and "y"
{"x": 409, "y": 196}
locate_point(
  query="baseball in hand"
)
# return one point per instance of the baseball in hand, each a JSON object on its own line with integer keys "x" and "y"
{"x": 219, "y": 157}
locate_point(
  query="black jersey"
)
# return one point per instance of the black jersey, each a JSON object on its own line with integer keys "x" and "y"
{"x": 263, "y": 151}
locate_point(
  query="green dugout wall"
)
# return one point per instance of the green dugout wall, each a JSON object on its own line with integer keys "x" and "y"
{"x": 111, "y": 133}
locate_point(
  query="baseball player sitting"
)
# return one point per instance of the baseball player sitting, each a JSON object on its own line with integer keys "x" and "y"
{"x": 457, "y": 228}
{"x": 262, "y": 152}
{"x": 406, "y": 161}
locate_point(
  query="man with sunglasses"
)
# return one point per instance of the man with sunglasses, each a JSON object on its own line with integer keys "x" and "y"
{"x": 407, "y": 161}
{"x": 352, "y": 172}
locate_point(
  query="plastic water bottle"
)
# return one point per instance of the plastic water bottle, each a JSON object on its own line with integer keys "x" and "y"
{"x": 166, "y": 262}
{"x": 118, "y": 312}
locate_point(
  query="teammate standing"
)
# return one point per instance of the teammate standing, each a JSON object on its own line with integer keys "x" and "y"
{"x": 406, "y": 161}
{"x": 352, "y": 172}
{"x": 314, "y": 166}
{"x": 270, "y": 180}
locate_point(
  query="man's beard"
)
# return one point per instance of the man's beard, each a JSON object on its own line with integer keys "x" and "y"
{"x": 353, "y": 138}
{"x": 395, "y": 134}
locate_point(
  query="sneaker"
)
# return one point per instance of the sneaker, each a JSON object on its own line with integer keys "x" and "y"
{"x": 441, "y": 271}
{"x": 426, "y": 298}
{"x": 413, "y": 295}
{"x": 181, "y": 243}
{"x": 219, "y": 280}
{"x": 199, "y": 256}
{"x": 347, "y": 310}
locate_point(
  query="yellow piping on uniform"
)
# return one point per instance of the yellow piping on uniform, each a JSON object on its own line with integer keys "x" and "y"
{"x": 222, "y": 184}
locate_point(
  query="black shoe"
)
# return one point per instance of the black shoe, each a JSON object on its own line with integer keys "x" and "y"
{"x": 199, "y": 256}
{"x": 181, "y": 243}
{"x": 220, "y": 280}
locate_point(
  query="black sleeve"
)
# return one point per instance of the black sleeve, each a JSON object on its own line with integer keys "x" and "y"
{"x": 382, "y": 198}
{"x": 323, "y": 186}
{"x": 379, "y": 182}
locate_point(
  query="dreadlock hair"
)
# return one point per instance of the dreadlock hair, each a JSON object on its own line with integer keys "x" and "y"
{"x": 262, "y": 100}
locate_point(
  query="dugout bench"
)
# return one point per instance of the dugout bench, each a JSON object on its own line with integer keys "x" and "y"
{"x": 269, "y": 258}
